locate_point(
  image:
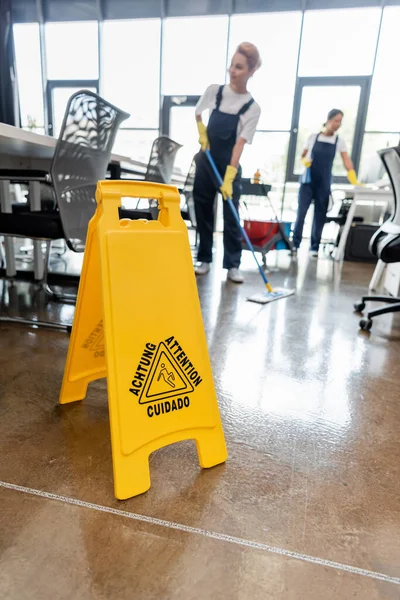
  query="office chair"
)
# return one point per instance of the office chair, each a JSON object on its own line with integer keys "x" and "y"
{"x": 187, "y": 207}
{"x": 159, "y": 170}
{"x": 385, "y": 244}
{"x": 80, "y": 160}
{"x": 162, "y": 158}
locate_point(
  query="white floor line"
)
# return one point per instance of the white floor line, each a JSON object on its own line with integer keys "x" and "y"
{"x": 209, "y": 534}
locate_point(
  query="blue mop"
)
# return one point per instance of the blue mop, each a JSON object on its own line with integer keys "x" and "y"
{"x": 270, "y": 295}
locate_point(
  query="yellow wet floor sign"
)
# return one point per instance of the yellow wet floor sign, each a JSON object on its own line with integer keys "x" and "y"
{"x": 138, "y": 323}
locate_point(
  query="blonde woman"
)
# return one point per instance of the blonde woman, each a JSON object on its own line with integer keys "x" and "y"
{"x": 232, "y": 124}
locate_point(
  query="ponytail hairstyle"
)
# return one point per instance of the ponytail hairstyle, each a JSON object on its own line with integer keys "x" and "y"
{"x": 250, "y": 52}
{"x": 332, "y": 114}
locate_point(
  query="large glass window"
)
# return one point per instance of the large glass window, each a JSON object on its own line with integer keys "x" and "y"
{"x": 383, "y": 121}
{"x": 72, "y": 50}
{"x": 194, "y": 54}
{"x": 29, "y": 73}
{"x": 131, "y": 69}
{"x": 383, "y": 111}
{"x": 371, "y": 166}
{"x": 196, "y": 51}
{"x": 134, "y": 144}
{"x": 59, "y": 100}
{"x": 268, "y": 153}
{"x": 277, "y": 37}
{"x": 339, "y": 42}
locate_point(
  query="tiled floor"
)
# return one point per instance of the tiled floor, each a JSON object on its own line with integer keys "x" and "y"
{"x": 308, "y": 504}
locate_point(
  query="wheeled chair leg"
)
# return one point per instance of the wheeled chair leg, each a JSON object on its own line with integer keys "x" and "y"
{"x": 392, "y": 307}
{"x": 360, "y": 305}
{"x": 395, "y": 307}
{"x": 389, "y": 299}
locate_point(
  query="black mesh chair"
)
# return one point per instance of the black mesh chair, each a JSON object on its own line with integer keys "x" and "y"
{"x": 187, "y": 209}
{"x": 159, "y": 170}
{"x": 385, "y": 244}
{"x": 80, "y": 160}
{"x": 162, "y": 158}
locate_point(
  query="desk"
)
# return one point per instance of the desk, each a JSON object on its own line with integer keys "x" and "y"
{"x": 24, "y": 152}
{"x": 365, "y": 201}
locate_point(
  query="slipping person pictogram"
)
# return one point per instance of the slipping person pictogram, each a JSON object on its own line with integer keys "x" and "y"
{"x": 170, "y": 376}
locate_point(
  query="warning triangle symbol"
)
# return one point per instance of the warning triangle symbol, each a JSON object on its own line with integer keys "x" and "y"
{"x": 166, "y": 378}
{"x": 98, "y": 343}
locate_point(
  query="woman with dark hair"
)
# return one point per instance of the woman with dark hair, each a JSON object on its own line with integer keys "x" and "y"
{"x": 233, "y": 121}
{"x": 318, "y": 156}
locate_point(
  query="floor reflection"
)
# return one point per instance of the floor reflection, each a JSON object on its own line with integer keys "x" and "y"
{"x": 311, "y": 416}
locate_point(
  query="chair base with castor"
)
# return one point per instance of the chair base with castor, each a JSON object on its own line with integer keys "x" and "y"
{"x": 394, "y": 306}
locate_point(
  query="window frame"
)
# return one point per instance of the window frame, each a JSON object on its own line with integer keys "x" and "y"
{"x": 53, "y": 84}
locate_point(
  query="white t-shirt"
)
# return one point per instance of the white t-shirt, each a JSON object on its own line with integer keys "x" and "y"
{"x": 231, "y": 103}
{"x": 329, "y": 139}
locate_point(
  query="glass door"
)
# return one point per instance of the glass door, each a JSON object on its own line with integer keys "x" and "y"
{"x": 315, "y": 97}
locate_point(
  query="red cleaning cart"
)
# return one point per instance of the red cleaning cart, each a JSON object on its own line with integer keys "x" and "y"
{"x": 265, "y": 235}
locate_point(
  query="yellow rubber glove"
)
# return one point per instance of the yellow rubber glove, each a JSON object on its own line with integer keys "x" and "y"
{"x": 203, "y": 137}
{"x": 352, "y": 177}
{"x": 307, "y": 162}
{"x": 226, "y": 187}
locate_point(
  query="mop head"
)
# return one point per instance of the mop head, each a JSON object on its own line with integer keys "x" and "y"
{"x": 276, "y": 294}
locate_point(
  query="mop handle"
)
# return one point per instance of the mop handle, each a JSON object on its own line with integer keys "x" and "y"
{"x": 237, "y": 219}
